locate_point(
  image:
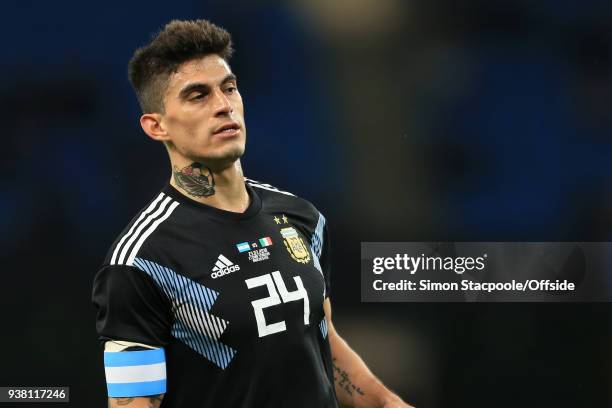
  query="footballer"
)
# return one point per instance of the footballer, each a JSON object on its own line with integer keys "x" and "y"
{"x": 217, "y": 293}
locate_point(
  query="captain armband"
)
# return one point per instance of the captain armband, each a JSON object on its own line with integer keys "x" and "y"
{"x": 135, "y": 373}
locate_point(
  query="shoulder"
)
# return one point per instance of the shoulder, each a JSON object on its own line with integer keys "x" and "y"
{"x": 276, "y": 197}
{"x": 305, "y": 215}
{"x": 139, "y": 230}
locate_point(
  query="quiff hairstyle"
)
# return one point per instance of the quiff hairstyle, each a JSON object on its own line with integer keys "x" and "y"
{"x": 178, "y": 42}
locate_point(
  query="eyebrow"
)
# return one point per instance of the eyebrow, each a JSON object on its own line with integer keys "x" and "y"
{"x": 201, "y": 86}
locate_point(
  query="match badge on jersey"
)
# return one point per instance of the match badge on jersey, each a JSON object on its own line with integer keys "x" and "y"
{"x": 295, "y": 245}
{"x": 257, "y": 250}
{"x": 260, "y": 243}
{"x": 135, "y": 373}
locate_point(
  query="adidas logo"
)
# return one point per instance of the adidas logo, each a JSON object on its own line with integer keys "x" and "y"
{"x": 223, "y": 266}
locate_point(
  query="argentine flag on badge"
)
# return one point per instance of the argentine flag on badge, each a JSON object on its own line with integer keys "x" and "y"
{"x": 243, "y": 247}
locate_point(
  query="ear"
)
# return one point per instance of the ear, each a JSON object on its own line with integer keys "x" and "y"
{"x": 152, "y": 125}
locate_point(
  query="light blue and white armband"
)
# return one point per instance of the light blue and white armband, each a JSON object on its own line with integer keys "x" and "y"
{"x": 135, "y": 373}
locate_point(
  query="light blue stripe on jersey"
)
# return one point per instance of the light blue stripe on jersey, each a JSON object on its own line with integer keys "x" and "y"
{"x": 192, "y": 301}
{"x": 134, "y": 358}
{"x": 316, "y": 243}
{"x": 244, "y": 246}
{"x": 136, "y": 389}
{"x": 317, "y": 236}
{"x": 323, "y": 327}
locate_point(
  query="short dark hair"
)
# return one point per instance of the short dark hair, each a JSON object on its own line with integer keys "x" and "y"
{"x": 178, "y": 42}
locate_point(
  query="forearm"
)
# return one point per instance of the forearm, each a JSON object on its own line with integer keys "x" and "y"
{"x": 355, "y": 384}
{"x": 153, "y": 401}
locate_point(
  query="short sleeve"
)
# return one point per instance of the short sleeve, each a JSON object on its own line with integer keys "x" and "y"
{"x": 130, "y": 307}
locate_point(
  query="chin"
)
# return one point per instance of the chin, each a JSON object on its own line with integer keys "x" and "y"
{"x": 232, "y": 153}
{"x": 222, "y": 159}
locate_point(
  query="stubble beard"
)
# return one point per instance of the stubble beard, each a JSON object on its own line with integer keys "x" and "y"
{"x": 219, "y": 162}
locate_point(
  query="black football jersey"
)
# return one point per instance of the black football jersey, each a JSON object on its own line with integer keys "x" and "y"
{"x": 235, "y": 299}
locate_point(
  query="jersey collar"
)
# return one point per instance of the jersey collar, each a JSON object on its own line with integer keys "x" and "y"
{"x": 252, "y": 210}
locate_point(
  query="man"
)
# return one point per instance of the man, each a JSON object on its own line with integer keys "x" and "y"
{"x": 217, "y": 293}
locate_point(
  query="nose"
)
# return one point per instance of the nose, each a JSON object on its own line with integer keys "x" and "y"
{"x": 221, "y": 103}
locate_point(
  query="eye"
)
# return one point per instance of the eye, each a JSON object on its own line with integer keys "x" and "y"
{"x": 231, "y": 89}
{"x": 198, "y": 96}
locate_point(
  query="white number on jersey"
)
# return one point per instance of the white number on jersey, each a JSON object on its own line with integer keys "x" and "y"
{"x": 273, "y": 299}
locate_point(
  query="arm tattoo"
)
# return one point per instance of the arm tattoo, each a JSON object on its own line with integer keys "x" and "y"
{"x": 342, "y": 380}
{"x": 195, "y": 180}
{"x": 155, "y": 400}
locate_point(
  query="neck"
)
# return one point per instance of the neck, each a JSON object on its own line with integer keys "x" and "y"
{"x": 223, "y": 188}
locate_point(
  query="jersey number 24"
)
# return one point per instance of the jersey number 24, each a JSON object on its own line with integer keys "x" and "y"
{"x": 274, "y": 299}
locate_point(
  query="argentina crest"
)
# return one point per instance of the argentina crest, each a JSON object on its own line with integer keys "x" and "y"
{"x": 295, "y": 245}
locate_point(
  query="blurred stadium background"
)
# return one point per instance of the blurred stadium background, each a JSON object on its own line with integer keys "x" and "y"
{"x": 401, "y": 120}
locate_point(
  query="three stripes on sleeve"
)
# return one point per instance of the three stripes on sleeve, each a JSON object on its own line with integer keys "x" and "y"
{"x": 129, "y": 245}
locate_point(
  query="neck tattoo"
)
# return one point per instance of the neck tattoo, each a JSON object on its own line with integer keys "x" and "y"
{"x": 195, "y": 179}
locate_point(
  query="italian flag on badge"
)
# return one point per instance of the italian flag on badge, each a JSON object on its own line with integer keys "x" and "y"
{"x": 265, "y": 241}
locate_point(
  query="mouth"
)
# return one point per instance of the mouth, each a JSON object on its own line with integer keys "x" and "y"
{"x": 227, "y": 129}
